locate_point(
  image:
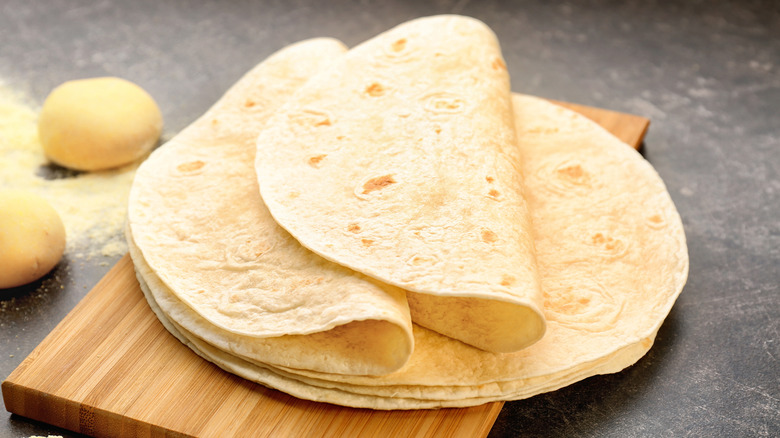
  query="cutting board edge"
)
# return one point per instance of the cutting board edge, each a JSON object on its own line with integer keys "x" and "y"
{"x": 78, "y": 417}
{"x": 40, "y": 406}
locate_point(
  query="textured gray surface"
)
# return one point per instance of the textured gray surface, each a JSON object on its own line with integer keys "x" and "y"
{"x": 706, "y": 73}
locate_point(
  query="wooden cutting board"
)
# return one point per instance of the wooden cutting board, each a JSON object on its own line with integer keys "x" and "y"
{"x": 110, "y": 369}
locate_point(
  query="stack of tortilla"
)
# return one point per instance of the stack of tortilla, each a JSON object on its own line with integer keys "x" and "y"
{"x": 390, "y": 227}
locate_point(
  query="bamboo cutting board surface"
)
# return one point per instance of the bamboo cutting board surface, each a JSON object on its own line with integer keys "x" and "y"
{"x": 110, "y": 369}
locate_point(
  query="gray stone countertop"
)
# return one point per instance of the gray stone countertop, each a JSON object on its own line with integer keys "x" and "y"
{"x": 706, "y": 73}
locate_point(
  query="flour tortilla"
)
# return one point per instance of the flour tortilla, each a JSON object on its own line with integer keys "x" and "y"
{"x": 400, "y": 162}
{"x": 198, "y": 222}
{"x": 610, "y": 278}
{"x": 374, "y": 397}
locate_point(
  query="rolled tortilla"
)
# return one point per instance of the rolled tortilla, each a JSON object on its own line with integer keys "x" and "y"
{"x": 400, "y": 162}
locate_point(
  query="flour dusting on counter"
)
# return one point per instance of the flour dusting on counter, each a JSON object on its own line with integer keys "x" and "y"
{"x": 92, "y": 205}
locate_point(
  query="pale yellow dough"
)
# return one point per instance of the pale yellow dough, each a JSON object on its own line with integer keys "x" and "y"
{"x": 32, "y": 238}
{"x": 98, "y": 123}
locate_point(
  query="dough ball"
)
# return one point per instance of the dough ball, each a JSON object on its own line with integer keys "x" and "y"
{"x": 98, "y": 123}
{"x": 32, "y": 238}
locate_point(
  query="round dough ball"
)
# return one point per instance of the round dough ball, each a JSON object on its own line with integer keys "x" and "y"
{"x": 98, "y": 123}
{"x": 32, "y": 238}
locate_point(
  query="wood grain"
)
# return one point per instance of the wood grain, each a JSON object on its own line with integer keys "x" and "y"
{"x": 110, "y": 369}
{"x": 627, "y": 127}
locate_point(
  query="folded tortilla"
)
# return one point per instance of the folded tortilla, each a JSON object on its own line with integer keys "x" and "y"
{"x": 612, "y": 256}
{"x": 400, "y": 162}
{"x": 611, "y": 252}
{"x": 197, "y": 221}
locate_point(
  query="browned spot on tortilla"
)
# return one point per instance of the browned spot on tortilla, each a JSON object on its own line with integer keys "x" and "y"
{"x": 608, "y": 242}
{"x": 353, "y": 228}
{"x": 310, "y": 117}
{"x": 507, "y": 280}
{"x": 260, "y": 248}
{"x": 376, "y": 89}
{"x": 656, "y": 219}
{"x": 489, "y": 236}
{"x": 214, "y": 121}
{"x": 398, "y": 45}
{"x": 419, "y": 260}
{"x": 498, "y": 64}
{"x": 314, "y": 160}
{"x": 191, "y": 166}
{"x": 293, "y": 194}
{"x": 367, "y": 242}
{"x": 647, "y": 342}
{"x": 340, "y": 137}
{"x": 574, "y": 171}
{"x": 377, "y": 183}
{"x": 447, "y": 105}
{"x": 438, "y": 130}
{"x": 249, "y": 103}
{"x": 494, "y": 193}
{"x": 489, "y": 179}
{"x": 309, "y": 281}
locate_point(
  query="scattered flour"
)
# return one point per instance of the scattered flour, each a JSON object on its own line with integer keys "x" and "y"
{"x": 92, "y": 205}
